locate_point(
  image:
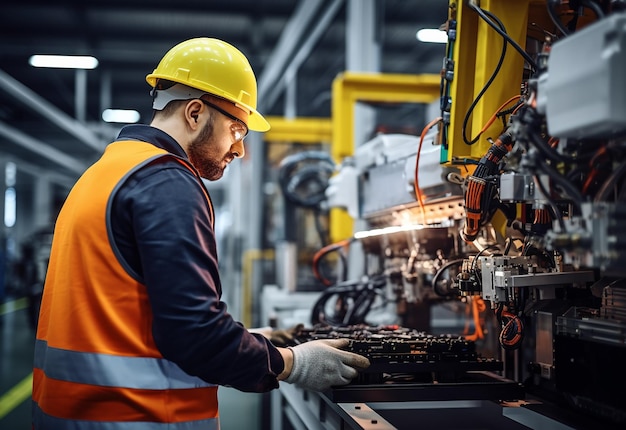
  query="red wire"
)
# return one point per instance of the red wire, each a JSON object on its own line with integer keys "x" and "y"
{"x": 321, "y": 253}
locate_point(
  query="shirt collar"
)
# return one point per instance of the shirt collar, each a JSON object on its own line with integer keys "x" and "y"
{"x": 155, "y": 136}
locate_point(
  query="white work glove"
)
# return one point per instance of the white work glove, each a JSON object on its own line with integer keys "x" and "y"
{"x": 320, "y": 364}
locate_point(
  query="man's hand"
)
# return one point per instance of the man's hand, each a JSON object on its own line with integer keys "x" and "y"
{"x": 320, "y": 364}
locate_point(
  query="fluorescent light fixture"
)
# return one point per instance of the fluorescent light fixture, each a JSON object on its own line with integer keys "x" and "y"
{"x": 10, "y": 207}
{"x": 387, "y": 230}
{"x": 64, "y": 61}
{"x": 126, "y": 116}
{"x": 432, "y": 35}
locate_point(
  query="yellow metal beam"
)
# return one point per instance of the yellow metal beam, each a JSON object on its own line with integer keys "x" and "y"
{"x": 301, "y": 130}
{"x": 250, "y": 257}
{"x": 349, "y": 88}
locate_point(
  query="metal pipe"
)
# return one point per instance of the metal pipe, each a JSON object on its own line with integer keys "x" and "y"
{"x": 41, "y": 105}
{"x": 42, "y": 149}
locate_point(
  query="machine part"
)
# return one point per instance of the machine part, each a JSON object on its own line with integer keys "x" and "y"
{"x": 480, "y": 193}
{"x": 594, "y": 239}
{"x": 286, "y": 260}
{"x": 544, "y": 333}
{"x": 614, "y": 301}
{"x": 468, "y": 283}
{"x": 550, "y": 279}
{"x": 501, "y": 275}
{"x": 387, "y": 166}
{"x": 520, "y": 187}
{"x": 585, "y": 99}
{"x": 365, "y": 416}
{"x": 475, "y": 53}
{"x": 304, "y": 176}
{"x": 589, "y": 353}
{"x": 401, "y": 354}
{"x": 447, "y": 291}
{"x": 576, "y": 322}
{"x": 343, "y": 188}
{"x": 496, "y": 273}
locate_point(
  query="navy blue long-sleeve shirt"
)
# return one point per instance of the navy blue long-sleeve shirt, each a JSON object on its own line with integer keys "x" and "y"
{"x": 161, "y": 226}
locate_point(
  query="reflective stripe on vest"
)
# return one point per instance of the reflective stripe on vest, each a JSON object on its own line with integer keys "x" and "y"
{"x": 45, "y": 421}
{"x": 113, "y": 371}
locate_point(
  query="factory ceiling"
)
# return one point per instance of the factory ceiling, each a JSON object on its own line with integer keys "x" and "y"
{"x": 50, "y": 119}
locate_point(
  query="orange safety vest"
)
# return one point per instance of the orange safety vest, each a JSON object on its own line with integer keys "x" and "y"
{"x": 96, "y": 364}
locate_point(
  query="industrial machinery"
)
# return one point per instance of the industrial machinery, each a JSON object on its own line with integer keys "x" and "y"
{"x": 499, "y": 227}
{"x": 503, "y": 216}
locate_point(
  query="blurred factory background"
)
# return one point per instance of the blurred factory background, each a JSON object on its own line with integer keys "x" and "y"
{"x": 464, "y": 192}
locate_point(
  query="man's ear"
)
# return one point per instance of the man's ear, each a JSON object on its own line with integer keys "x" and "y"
{"x": 192, "y": 110}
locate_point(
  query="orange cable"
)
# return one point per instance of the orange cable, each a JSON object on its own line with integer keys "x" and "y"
{"x": 495, "y": 114}
{"x": 477, "y": 306}
{"x": 418, "y": 191}
{"x": 322, "y": 252}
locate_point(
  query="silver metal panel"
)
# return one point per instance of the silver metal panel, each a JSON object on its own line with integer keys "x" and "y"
{"x": 585, "y": 89}
{"x": 365, "y": 416}
{"x": 555, "y": 278}
{"x": 532, "y": 419}
{"x": 543, "y": 341}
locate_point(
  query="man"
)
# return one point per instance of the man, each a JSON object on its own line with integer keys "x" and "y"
{"x": 132, "y": 333}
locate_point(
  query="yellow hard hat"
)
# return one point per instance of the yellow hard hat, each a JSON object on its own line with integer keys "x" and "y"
{"x": 215, "y": 67}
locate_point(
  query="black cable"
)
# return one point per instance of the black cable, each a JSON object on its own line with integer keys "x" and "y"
{"x": 561, "y": 182}
{"x": 512, "y": 333}
{"x": 355, "y": 299}
{"x": 611, "y": 182}
{"x": 307, "y": 168}
{"x": 482, "y": 92}
{"x": 319, "y": 259}
{"x": 550, "y": 152}
{"x": 488, "y": 17}
{"x": 319, "y": 227}
{"x": 595, "y": 7}
{"x": 555, "y": 19}
{"x": 438, "y": 274}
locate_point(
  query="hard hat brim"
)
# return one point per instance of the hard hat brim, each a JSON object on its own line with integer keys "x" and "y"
{"x": 256, "y": 121}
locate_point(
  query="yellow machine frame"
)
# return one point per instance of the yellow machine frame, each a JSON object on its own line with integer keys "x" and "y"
{"x": 476, "y": 53}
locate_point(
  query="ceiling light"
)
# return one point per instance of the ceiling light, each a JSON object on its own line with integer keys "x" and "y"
{"x": 64, "y": 61}
{"x": 125, "y": 116}
{"x": 432, "y": 35}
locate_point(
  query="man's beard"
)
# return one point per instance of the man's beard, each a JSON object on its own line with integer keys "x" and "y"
{"x": 208, "y": 167}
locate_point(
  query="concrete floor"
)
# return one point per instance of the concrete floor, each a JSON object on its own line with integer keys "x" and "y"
{"x": 238, "y": 410}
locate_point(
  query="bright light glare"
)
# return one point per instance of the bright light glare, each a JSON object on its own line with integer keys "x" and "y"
{"x": 10, "y": 207}
{"x": 126, "y": 116}
{"x": 64, "y": 61}
{"x": 387, "y": 230}
{"x": 432, "y": 35}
